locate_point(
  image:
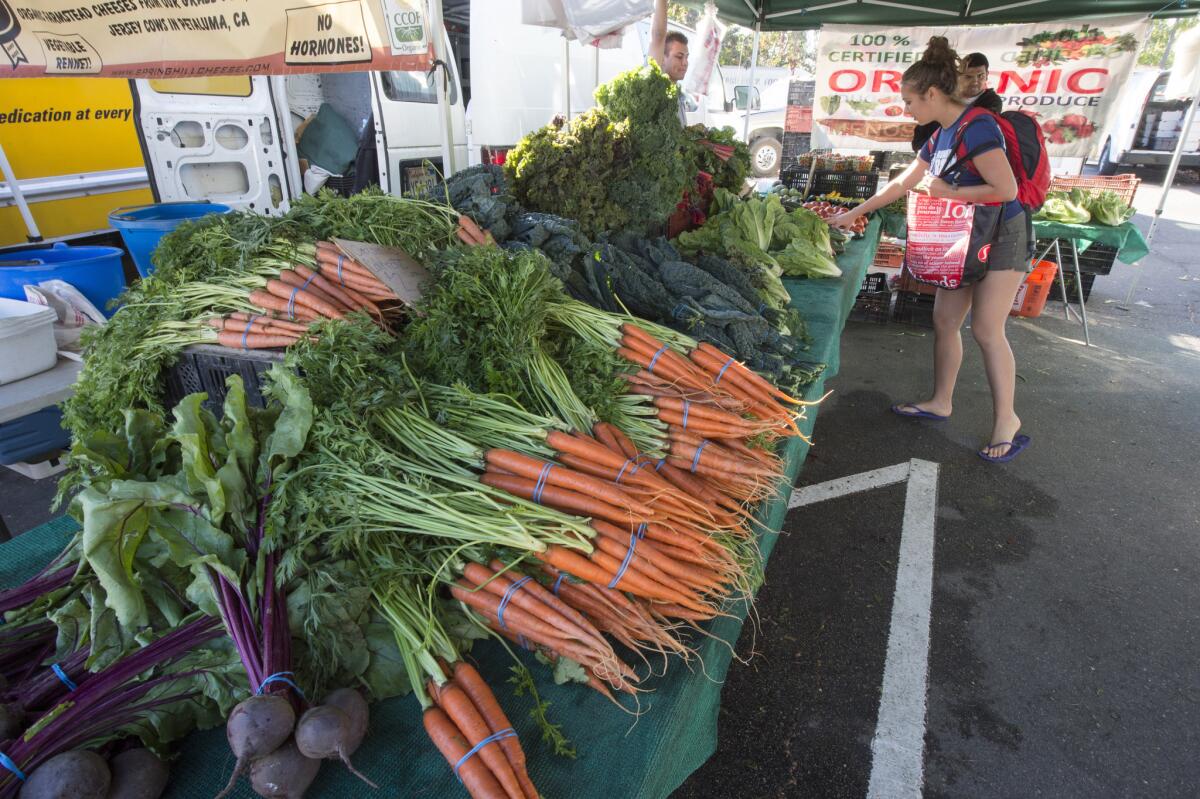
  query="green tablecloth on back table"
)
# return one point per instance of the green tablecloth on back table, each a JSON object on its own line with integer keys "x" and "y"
{"x": 678, "y": 729}
{"x": 1128, "y": 241}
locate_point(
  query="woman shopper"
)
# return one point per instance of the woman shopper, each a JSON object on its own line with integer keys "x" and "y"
{"x": 929, "y": 91}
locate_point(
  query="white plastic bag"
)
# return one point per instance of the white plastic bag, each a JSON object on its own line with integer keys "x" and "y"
{"x": 75, "y": 312}
{"x": 591, "y": 19}
{"x": 704, "y": 52}
{"x": 547, "y": 13}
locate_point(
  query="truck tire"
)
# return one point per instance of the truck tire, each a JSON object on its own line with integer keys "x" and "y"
{"x": 1104, "y": 165}
{"x": 765, "y": 157}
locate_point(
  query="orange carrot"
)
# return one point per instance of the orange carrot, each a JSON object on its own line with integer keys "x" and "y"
{"x": 458, "y": 706}
{"x": 253, "y": 341}
{"x": 271, "y": 321}
{"x": 605, "y": 437}
{"x": 561, "y": 498}
{"x": 523, "y": 598}
{"x": 476, "y": 777}
{"x": 295, "y": 296}
{"x": 534, "y": 469}
{"x": 751, "y": 376}
{"x": 265, "y": 299}
{"x": 472, "y": 684}
{"x": 293, "y": 279}
{"x": 332, "y": 289}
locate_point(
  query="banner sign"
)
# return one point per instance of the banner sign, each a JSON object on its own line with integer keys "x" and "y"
{"x": 1066, "y": 73}
{"x": 205, "y": 38}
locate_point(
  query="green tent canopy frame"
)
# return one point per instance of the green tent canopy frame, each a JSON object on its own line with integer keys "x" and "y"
{"x": 787, "y": 15}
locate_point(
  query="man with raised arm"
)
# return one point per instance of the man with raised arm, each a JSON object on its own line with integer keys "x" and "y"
{"x": 669, "y": 51}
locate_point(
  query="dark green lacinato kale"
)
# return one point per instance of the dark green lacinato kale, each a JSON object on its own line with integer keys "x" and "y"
{"x": 560, "y": 240}
{"x": 482, "y": 193}
{"x": 623, "y": 164}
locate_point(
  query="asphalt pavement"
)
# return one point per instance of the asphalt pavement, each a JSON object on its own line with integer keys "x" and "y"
{"x": 1065, "y": 615}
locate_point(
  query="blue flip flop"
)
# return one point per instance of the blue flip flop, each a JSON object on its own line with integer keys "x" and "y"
{"x": 917, "y": 413}
{"x": 1014, "y": 448}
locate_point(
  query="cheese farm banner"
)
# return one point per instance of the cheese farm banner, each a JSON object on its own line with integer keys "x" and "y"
{"x": 203, "y": 38}
{"x": 1067, "y": 73}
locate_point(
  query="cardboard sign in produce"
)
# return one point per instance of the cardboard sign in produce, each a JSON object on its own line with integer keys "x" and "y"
{"x": 1067, "y": 73}
{"x": 204, "y": 38}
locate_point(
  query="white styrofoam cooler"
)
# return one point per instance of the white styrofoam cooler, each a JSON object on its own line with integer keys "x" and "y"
{"x": 26, "y": 339}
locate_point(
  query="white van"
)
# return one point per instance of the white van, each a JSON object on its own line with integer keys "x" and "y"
{"x": 233, "y": 140}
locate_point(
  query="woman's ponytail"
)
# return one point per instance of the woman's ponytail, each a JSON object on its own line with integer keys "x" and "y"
{"x": 938, "y": 66}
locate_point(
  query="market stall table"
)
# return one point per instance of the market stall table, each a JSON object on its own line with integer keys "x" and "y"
{"x": 619, "y": 756}
{"x": 1125, "y": 238}
{"x": 23, "y": 397}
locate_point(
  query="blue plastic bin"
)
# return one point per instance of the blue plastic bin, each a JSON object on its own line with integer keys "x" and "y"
{"x": 36, "y": 434}
{"x": 144, "y": 226}
{"x": 95, "y": 271}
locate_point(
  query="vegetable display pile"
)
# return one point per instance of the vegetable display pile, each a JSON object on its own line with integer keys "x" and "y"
{"x": 502, "y": 461}
{"x": 560, "y": 447}
{"x": 1079, "y": 207}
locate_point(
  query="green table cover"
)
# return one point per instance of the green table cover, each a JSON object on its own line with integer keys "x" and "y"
{"x": 619, "y": 756}
{"x": 1130, "y": 244}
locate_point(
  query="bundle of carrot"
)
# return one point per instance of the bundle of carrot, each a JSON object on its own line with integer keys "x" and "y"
{"x": 521, "y": 609}
{"x": 335, "y": 267}
{"x": 471, "y": 234}
{"x": 647, "y": 540}
{"x": 470, "y": 729}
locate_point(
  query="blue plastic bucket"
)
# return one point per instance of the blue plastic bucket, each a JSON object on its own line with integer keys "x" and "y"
{"x": 144, "y": 226}
{"x": 95, "y": 271}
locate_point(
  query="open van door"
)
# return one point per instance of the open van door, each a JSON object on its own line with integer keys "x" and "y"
{"x": 219, "y": 139}
{"x": 411, "y": 123}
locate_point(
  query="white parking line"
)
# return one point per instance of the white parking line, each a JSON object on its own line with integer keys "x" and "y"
{"x": 897, "y": 750}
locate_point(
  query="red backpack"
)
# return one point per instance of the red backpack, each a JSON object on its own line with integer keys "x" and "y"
{"x": 1025, "y": 147}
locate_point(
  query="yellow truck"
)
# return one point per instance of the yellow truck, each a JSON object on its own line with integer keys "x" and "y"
{"x": 73, "y": 148}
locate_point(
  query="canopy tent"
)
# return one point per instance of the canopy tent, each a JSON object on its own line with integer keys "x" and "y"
{"x": 788, "y": 15}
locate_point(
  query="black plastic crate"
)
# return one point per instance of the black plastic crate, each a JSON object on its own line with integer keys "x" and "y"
{"x": 1097, "y": 259}
{"x": 874, "y": 282}
{"x": 860, "y": 185}
{"x": 913, "y": 308}
{"x": 873, "y": 306}
{"x": 205, "y": 367}
{"x": 1069, "y": 280}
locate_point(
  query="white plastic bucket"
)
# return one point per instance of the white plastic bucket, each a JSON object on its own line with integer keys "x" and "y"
{"x": 26, "y": 339}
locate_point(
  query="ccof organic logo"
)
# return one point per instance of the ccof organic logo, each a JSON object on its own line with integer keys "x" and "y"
{"x": 10, "y": 29}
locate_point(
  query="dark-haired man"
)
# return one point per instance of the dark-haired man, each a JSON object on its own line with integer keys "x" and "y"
{"x": 972, "y": 90}
{"x": 669, "y": 51}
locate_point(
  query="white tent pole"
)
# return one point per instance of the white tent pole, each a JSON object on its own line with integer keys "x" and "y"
{"x": 750, "y": 90}
{"x": 567, "y": 78}
{"x": 1188, "y": 118}
{"x": 437, "y": 29}
{"x": 14, "y": 186}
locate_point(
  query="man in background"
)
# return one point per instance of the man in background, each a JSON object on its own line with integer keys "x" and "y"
{"x": 669, "y": 51}
{"x": 972, "y": 90}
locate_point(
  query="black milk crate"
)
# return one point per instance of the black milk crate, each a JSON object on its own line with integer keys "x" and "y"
{"x": 860, "y": 185}
{"x": 913, "y": 308}
{"x": 1072, "y": 292}
{"x": 873, "y": 306}
{"x": 801, "y": 92}
{"x": 205, "y": 367}
{"x": 794, "y": 177}
{"x": 874, "y": 282}
{"x": 1098, "y": 259}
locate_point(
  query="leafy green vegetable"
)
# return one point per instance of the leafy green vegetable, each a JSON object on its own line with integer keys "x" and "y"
{"x": 1108, "y": 208}
{"x": 618, "y": 165}
{"x": 1061, "y": 207}
{"x": 729, "y": 173}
